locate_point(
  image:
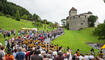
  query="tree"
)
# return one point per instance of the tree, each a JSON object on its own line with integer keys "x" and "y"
{"x": 24, "y": 17}
{"x": 100, "y": 31}
{"x": 9, "y": 8}
{"x": 35, "y": 17}
{"x": 91, "y": 20}
{"x": 17, "y": 15}
{"x": 56, "y": 25}
{"x": 45, "y": 25}
{"x": 63, "y": 22}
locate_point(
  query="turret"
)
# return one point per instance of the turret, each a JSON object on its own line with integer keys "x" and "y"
{"x": 73, "y": 12}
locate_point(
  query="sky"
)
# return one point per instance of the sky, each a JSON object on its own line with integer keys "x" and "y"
{"x": 55, "y": 10}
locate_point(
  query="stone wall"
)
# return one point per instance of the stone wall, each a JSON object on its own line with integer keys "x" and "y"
{"x": 78, "y": 22}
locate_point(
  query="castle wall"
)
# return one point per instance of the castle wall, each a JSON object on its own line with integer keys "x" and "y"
{"x": 78, "y": 22}
{"x": 72, "y": 13}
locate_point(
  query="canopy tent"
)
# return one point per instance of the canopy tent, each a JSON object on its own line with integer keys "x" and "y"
{"x": 35, "y": 29}
{"x": 103, "y": 47}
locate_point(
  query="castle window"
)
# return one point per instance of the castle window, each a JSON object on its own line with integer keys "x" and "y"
{"x": 79, "y": 16}
{"x": 81, "y": 23}
{"x": 84, "y": 21}
{"x": 73, "y": 16}
{"x": 85, "y": 16}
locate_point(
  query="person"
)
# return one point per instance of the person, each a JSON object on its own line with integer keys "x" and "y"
{"x": 4, "y": 34}
{"x": 36, "y": 56}
{"x": 92, "y": 51}
{"x": 14, "y": 52}
{"x": 78, "y": 53}
{"x": 86, "y": 57}
{"x": 9, "y": 56}
{"x": 100, "y": 55}
{"x": 81, "y": 57}
{"x": 91, "y": 57}
{"x": 74, "y": 57}
{"x": 6, "y": 42}
{"x": 2, "y": 52}
{"x": 54, "y": 53}
{"x": 60, "y": 56}
{"x": 45, "y": 57}
{"x": 20, "y": 55}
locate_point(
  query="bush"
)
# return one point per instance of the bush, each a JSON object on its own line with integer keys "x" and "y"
{"x": 8, "y": 16}
{"x": 1, "y": 14}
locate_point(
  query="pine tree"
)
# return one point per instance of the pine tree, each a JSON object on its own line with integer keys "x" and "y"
{"x": 17, "y": 15}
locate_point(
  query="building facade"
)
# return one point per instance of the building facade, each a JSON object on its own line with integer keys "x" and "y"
{"x": 77, "y": 22}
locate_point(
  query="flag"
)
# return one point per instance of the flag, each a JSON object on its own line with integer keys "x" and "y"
{"x": 103, "y": 47}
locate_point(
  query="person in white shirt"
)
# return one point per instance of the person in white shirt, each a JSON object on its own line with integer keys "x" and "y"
{"x": 91, "y": 56}
{"x": 6, "y": 42}
{"x": 81, "y": 57}
{"x": 55, "y": 53}
{"x": 86, "y": 57}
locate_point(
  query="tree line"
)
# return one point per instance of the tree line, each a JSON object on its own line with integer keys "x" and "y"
{"x": 10, "y": 9}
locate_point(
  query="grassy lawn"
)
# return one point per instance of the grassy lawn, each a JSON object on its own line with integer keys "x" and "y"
{"x": 77, "y": 40}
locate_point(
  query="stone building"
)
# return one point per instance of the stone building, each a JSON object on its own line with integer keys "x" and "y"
{"x": 77, "y": 21}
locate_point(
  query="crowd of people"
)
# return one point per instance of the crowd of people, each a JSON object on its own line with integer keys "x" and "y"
{"x": 31, "y": 45}
{"x": 6, "y": 33}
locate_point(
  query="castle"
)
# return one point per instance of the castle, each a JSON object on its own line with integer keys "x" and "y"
{"x": 77, "y": 22}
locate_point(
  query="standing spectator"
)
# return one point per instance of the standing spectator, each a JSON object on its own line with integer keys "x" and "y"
{"x": 9, "y": 56}
{"x": 86, "y": 57}
{"x": 81, "y": 57}
{"x": 4, "y": 34}
{"x": 8, "y": 34}
{"x": 60, "y": 56}
{"x": 78, "y": 53}
{"x": 14, "y": 53}
{"x": 8, "y": 46}
{"x": 92, "y": 51}
{"x": 100, "y": 55}
{"x": 91, "y": 57}
{"x": 14, "y": 33}
{"x": 2, "y": 53}
{"x": 36, "y": 56}
{"x": 6, "y": 42}
{"x": 20, "y": 55}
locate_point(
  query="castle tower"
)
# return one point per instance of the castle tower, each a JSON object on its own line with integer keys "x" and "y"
{"x": 73, "y": 12}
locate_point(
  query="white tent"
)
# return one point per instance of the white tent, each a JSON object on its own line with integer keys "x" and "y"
{"x": 35, "y": 29}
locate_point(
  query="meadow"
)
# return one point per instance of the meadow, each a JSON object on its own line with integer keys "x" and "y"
{"x": 77, "y": 40}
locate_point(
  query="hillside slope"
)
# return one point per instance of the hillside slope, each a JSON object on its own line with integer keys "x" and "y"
{"x": 77, "y": 40}
{"x": 9, "y": 24}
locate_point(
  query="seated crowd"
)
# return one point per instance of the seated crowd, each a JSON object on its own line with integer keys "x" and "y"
{"x": 31, "y": 45}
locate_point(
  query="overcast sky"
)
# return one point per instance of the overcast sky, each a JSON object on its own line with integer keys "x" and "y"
{"x": 55, "y": 10}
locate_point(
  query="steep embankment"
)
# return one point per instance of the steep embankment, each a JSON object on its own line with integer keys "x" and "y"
{"x": 77, "y": 40}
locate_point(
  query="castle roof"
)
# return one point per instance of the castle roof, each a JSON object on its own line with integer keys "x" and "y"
{"x": 73, "y": 9}
{"x": 89, "y": 12}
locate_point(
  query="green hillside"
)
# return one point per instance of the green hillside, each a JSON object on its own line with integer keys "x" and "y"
{"x": 9, "y": 24}
{"x": 77, "y": 40}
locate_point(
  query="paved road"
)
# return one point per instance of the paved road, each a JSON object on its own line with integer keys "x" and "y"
{"x": 48, "y": 39}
